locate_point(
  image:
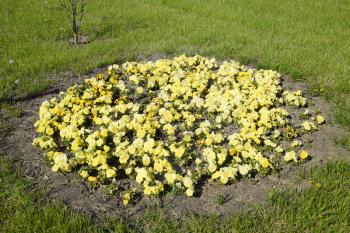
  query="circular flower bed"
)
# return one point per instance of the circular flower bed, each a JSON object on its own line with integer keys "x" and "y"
{"x": 169, "y": 123}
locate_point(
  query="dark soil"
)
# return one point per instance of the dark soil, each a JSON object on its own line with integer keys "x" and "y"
{"x": 244, "y": 193}
{"x": 81, "y": 40}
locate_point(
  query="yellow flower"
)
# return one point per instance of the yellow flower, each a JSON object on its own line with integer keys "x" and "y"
{"x": 170, "y": 177}
{"x": 199, "y": 117}
{"x": 232, "y": 151}
{"x": 76, "y": 144}
{"x": 167, "y": 116}
{"x": 128, "y": 170}
{"x": 158, "y": 166}
{"x": 187, "y": 181}
{"x": 264, "y": 162}
{"x": 320, "y": 119}
{"x": 100, "y": 142}
{"x": 123, "y": 157}
{"x": 189, "y": 192}
{"x": 187, "y": 138}
{"x": 126, "y": 198}
{"x": 104, "y": 133}
{"x": 304, "y": 154}
{"x": 221, "y": 157}
{"x": 291, "y": 155}
{"x": 318, "y": 185}
{"x": 60, "y": 162}
{"x": 148, "y": 146}
{"x": 139, "y": 90}
{"x": 212, "y": 167}
{"x": 308, "y": 126}
{"x": 225, "y": 174}
{"x": 279, "y": 149}
{"x": 296, "y": 143}
{"x": 179, "y": 152}
{"x": 92, "y": 179}
{"x": 106, "y": 148}
{"x": 50, "y": 131}
{"x": 146, "y": 160}
{"x": 110, "y": 173}
{"x": 244, "y": 169}
{"x": 84, "y": 174}
{"x": 142, "y": 174}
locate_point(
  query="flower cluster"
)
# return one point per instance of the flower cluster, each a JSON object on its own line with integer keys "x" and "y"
{"x": 168, "y": 123}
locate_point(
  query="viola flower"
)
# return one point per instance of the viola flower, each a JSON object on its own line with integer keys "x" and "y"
{"x": 289, "y": 156}
{"x": 304, "y": 154}
{"x": 320, "y": 119}
{"x": 308, "y": 126}
{"x": 126, "y": 198}
{"x": 171, "y": 122}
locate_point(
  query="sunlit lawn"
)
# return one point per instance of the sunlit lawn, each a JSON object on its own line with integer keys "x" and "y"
{"x": 308, "y": 40}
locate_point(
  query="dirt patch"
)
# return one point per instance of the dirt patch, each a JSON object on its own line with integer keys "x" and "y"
{"x": 242, "y": 194}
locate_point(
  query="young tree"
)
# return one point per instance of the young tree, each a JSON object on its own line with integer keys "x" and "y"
{"x": 75, "y": 10}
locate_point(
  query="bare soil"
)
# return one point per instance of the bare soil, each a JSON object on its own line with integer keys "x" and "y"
{"x": 242, "y": 194}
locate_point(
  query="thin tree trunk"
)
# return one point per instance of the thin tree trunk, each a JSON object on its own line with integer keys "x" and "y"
{"x": 75, "y": 12}
{"x": 75, "y": 25}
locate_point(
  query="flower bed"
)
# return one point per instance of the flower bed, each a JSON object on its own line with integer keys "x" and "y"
{"x": 169, "y": 123}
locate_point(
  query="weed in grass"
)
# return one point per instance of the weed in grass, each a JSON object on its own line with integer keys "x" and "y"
{"x": 221, "y": 199}
{"x": 344, "y": 142}
{"x": 11, "y": 109}
{"x": 4, "y": 127}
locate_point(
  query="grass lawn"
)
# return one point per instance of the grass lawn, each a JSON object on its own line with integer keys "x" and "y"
{"x": 306, "y": 39}
{"x": 322, "y": 208}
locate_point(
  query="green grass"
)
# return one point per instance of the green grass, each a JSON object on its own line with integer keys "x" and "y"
{"x": 344, "y": 142}
{"x": 322, "y": 208}
{"x": 23, "y": 209}
{"x": 11, "y": 109}
{"x": 306, "y": 39}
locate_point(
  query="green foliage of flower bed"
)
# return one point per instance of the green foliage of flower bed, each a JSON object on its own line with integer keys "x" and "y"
{"x": 172, "y": 122}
